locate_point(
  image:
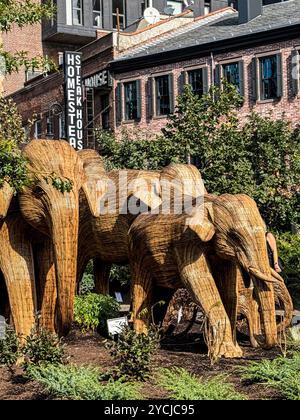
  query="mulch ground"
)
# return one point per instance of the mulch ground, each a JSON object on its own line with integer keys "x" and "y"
{"x": 89, "y": 349}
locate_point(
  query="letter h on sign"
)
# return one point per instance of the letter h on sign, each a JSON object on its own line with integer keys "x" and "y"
{"x": 74, "y": 98}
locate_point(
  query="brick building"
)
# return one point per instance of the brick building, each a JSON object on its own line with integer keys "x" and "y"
{"x": 132, "y": 78}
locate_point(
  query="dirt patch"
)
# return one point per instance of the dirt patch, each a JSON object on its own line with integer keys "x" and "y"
{"x": 185, "y": 352}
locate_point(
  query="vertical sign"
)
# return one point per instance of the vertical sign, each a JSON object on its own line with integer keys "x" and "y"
{"x": 74, "y": 98}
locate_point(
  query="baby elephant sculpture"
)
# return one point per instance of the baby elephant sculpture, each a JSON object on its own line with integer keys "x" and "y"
{"x": 174, "y": 250}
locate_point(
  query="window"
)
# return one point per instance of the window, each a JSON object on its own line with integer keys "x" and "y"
{"x": 38, "y": 129}
{"x": 128, "y": 101}
{"x": 207, "y": 7}
{"x": 97, "y": 13}
{"x": 119, "y": 10}
{"x": 231, "y": 73}
{"x": 163, "y": 95}
{"x": 176, "y": 5}
{"x": 77, "y": 12}
{"x": 268, "y": 68}
{"x": 131, "y": 100}
{"x": 49, "y": 122}
{"x": 31, "y": 74}
{"x": 198, "y": 81}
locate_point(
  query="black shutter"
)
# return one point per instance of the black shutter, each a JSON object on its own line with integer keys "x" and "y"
{"x": 205, "y": 80}
{"x": 295, "y": 72}
{"x": 150, "y": 97}
{"x": 171, "y": 93}
{"x": 119, "y": 103}
{"x": 139, "y": 99}
{"x": 242, "y": 77}
{"x": 255, "y": 80}
{"x": 218, "y": 75}
{"x": 279, "y": 76}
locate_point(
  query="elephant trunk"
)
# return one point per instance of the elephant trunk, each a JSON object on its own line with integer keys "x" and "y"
{"x": 283, "y": 298}
{"x": 65, "y": 238}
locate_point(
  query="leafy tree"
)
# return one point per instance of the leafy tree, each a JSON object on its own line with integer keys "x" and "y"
{"x": 12, "y": 164}
{"x": 21, "y": 13}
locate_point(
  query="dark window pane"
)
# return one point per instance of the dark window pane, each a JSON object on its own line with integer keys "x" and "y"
{"x": 196, "y": 81}
{"x": 131, "y": 101}
{"x": 231, "y": 74}
{"x": 163, "y": 100}
{"x": 268, "y": 74}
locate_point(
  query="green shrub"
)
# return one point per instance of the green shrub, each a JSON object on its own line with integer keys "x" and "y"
{"x": 9, "y": 348}
{"x": 92, "y": 311}
{"x": 81, "y": 383}
{"x": 42, "y": 347}
{"x": 87, "y": 284}
{"x": 184, "y": 386}
{"x": 289, "y": 251}
{"x": 120, "y": 275}
{"x": 133, "y": 353}
{"x": 281, "y": 373}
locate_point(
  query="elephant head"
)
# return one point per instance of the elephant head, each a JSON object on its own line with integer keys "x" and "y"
{"x": 56, "y": 213}
{"x": 238, "y": 232}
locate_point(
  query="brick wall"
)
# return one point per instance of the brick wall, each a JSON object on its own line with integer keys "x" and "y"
{"x": 287, "y": 107}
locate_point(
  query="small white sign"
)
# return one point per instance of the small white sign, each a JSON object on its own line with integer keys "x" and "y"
{"x": 115, "y": 326}
{"x": 119, "y": 297}
{"x": 180, "y": 315}
{"x": 2, "y": 328}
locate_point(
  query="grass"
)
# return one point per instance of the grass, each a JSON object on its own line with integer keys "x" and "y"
{"x": 282, "y": 374}
{"x": 81, "y": 383}
{"x": 184, "y": 386}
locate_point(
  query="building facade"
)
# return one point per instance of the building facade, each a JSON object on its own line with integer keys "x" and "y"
{"x": 131, "y": 79}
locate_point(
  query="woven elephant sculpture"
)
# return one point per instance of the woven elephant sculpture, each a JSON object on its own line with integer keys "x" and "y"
{"x": 103, "y": 236}
{"x": 174, "y": 251}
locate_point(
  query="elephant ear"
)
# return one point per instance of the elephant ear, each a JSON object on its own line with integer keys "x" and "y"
{"x": 6, "y": 195}
{"x": 201, "y": 221}
{"x": 95, "y": 185}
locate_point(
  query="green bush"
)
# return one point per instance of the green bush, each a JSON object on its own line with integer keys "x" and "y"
{"x": 42, "y": 347}
{"x": 87, "y": 284}
{"x": 9, "y": 348}
{"x": 289, "y": 251}
{"x": 92, "y": 311}
{"x": 133, "y": 353}
{"x": 120, "y": 275}
{"x": 184, "y": 386}
{"x": 281, "y": 373}
{"x": 81, "y": 383}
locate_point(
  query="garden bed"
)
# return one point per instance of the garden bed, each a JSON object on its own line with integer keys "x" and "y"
{"x": 89, "y": 349}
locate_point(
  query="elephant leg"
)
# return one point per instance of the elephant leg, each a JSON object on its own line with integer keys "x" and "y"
{"x": 142, "y": 293}
{"x": 17, "y": 265}
{"x": 47, "y": 287}
{"x": 227, "y": 276}
{"x": 101, "y": 274}
{"x": 196, "y": 275}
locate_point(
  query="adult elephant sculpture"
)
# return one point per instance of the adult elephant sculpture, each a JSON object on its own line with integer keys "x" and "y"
{"x": 55, "y": 214}
{"x": 166, "y": 248}
{"x": 16, "y": 263}
{"x": 104, "y": 236}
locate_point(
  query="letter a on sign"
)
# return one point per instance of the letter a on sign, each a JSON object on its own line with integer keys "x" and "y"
{"x": 73, "y": 98}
